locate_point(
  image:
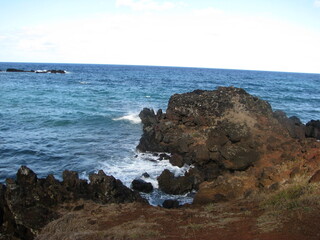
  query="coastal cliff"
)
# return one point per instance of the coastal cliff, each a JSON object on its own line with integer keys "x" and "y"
{"x": 256, "y": 172}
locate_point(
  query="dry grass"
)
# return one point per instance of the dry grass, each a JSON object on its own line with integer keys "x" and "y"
{"x": 293, "y": 200}
{"x": 138, "y": 229}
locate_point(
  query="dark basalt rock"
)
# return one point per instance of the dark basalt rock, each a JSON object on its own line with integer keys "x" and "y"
{"x": 170, "y": 184}
{"x": 293, "y": 124}
{"x": 170, "y": 203}
{"x": 224, "y": 130}
{"x": 141, "y": 186}
{"x": 313, "y": 129}
{"x": 38, "y": 71}
{"x": 177, "y": 160}
{"x": 28, "y": 203}
{"x": 106, "y": 189}
{"x": 14, "y": 70}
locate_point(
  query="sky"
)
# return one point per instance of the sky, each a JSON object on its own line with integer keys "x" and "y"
{"x": 273, "y": 35}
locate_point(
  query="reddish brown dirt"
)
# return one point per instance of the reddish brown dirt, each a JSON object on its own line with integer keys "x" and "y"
{"x": 238, "y": 220}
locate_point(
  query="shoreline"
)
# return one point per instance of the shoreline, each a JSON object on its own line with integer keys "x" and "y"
{"x": 242, "y": 153}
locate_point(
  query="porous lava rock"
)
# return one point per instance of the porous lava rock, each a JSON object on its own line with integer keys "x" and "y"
{"x": 141, "y": 186}
{"x": 28, "y": 203}
{"x": 313, "y": 129}
{"x": 224, "y": 126}
{"x": 170, "y": 184}
{"x": 171, "y": 203}
{"x": 220, "y": 132}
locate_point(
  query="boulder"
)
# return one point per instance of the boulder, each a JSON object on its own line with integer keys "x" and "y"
{"x": 313, "y": 129}
{"x": 145, "y": 175}
{"x": 141, "y": 186}
{"x": 170, "y": 184}
{"x": 293, "y": 124}
{"x": 177, "y": 160}
{"x": 226, "y": 129}
{"x": 170, "y": 203}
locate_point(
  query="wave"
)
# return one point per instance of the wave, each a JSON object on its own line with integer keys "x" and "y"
{"x": 133, "y": 118}
{"x": 134, "y": 166}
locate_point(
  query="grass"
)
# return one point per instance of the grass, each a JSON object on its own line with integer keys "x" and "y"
{"x": 292, "y": 201}
{"x": 300, "y": 196}
{"x": 138, "y": 229}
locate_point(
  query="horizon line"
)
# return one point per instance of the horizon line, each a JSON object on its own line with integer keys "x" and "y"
{"x": 165, "y": 66}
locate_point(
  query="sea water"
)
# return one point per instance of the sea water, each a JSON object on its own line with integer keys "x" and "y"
{"x": 87, "y": 119}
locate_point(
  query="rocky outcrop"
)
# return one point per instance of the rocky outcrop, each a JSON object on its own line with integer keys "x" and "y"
{"x": 17, "y": 70}
{"x": 37, "y": 71}
{"x": 170, "y": 184}
{"x": 220, "y": 133}
{"x": 28, "y": 203}
{"x": 313, "y": 129}
{"x": 221, "y": 128}
{"x": 141, "y": 186}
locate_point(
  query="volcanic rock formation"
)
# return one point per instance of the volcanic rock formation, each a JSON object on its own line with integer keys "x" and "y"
{"x": 218, "y": 132}
{"x": 28, "y": 203}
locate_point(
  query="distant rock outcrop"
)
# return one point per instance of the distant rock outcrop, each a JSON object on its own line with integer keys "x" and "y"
{"x": 37, "y": 71}
{"x": 28, "y": 203}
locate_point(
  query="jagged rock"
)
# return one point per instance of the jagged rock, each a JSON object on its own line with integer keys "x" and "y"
{"x": 28, "y": 203}
{"x": 170, "y": 184}
{"x": 221, "y": 132}
{"x": 227, "y": 129}
{"x": 164, "y": 156}
{"x": 141, "y": 186}
{"x": 170, "y": 203}
{"x": 145, "y": 175}
{"x": 313, "y": 129}
{"x": 293, "y": 124}
{"x": 107, "y": 189}
{"x": 176, "y": 160}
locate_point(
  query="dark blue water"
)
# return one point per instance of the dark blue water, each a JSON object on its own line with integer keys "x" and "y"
{"x": 87, "y": 119}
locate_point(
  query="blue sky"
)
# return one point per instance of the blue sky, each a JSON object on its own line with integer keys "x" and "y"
{"x": 239, "y": 34}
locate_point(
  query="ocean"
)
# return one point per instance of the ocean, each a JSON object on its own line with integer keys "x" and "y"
{"x": 87, "y": 119}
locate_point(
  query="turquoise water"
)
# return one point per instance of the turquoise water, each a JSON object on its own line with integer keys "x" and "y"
{"x": 87, "y": 119}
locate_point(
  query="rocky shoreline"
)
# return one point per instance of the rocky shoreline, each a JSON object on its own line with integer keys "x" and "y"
{"x": 239, "y": 149}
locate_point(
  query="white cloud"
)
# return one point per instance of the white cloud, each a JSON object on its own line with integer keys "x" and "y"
{"x": 206, "y": 38}
{"x": 317, "y": 3}
{"x": 143, "y": 5}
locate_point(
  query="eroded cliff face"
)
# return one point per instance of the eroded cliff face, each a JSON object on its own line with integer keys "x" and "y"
{"x": 219, "y": 132}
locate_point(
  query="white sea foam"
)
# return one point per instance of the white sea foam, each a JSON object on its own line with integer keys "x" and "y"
{"x": 133, "y": 118}
{"x": 134, "y": 167}
{"x": 83, "y": 82}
